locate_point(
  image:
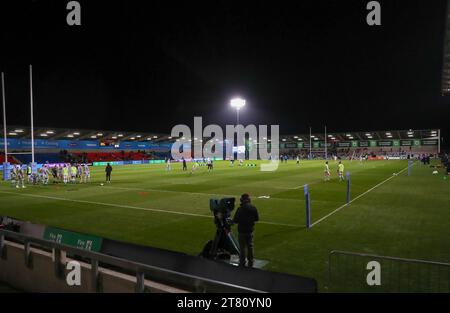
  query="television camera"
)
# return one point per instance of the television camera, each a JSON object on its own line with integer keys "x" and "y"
{"x": 224, "y": 244}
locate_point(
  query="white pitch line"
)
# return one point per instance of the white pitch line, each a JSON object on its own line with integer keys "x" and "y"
{"x": 166, "y": 191}
{"x": 131, "y": 207}
{"x": 356, "y": 198}
{"x": 195, "y": 193}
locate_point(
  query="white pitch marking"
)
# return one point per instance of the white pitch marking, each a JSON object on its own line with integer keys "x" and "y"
{"x": 167, "y": 191}
{"x": 131, "y": 207}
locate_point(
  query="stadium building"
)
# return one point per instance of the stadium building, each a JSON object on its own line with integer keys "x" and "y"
{"x": 55, "y": 145}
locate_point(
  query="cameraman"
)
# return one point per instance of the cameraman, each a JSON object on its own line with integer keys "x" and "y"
{"x": 246, "y": 216}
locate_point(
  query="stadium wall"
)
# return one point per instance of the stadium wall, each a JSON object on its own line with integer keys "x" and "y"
{"x": 82, "y": 145}
{"x": 40, "y": 277}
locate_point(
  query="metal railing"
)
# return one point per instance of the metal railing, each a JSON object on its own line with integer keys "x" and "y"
{"x": 142, "y": 271}
{"x": 348, "y": 272}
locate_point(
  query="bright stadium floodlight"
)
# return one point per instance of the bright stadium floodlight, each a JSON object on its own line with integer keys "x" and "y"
{"x": 238, "y": 104}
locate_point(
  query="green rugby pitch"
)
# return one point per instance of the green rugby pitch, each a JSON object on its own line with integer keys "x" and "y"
{"x": 402, "y": 216}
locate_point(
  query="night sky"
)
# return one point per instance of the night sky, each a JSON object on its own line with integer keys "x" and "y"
{"x": 297, "y": 63}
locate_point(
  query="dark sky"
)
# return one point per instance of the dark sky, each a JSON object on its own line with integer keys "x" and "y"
{"x": 131, "y": 66}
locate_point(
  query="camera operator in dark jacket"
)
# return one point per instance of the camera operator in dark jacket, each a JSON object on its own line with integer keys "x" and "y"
{"x": 246, "y": 216}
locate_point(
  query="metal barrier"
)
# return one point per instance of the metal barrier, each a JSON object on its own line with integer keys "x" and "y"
{"x": 142, "y": 271}
{"x": 355, "y": 272}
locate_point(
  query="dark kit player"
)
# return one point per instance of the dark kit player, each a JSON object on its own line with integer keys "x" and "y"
{"x": 108, "y": 171}
{"x": 184, "y": 164}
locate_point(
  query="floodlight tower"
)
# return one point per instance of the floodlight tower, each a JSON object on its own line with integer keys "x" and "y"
{"x": 238, "y": 104}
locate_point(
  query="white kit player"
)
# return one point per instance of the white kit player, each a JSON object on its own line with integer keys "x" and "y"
{"x": 209, "y": 164}
{"x": 20, "y": 177}
{"x": 80, "y": 172}
{"x": 65, "y": 172}
{"x": 45, "y": 173}
{"x": 327, "y": 172}
{"x": 60, "y": 172}
{"x": 14, "y": 175}
{"x": 86, "y": 174}
{"x": 194, "y": 166}
{"x": 40, "y": 176}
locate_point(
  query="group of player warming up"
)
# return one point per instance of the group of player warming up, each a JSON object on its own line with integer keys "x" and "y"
{"x": 340, "y": 171}
{"x": 62, "y": 173}
{"x": 208, "y": 162}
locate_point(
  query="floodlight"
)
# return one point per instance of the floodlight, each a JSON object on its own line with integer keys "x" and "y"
{"x": 237, "y": 103}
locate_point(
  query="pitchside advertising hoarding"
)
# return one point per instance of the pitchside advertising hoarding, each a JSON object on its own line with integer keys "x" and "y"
{"x": 82, "y": 241}
{"x": 128, "y": 162}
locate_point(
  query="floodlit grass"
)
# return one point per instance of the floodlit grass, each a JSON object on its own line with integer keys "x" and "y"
{"x": 406, "y": 216}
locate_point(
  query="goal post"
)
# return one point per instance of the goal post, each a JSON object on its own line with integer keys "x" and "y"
{"x": 6, "y": 164}
{"x": 33, "y": 163}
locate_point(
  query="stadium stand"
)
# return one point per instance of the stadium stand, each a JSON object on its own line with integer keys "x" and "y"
{"x": 11, "y": 159}
{"x": 90, "y": 157}
{"x": 87, "y": 146}
{"x": 39, "y": 158}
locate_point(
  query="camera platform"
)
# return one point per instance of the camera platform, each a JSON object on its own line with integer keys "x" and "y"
{"x": 234, "y": 260}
